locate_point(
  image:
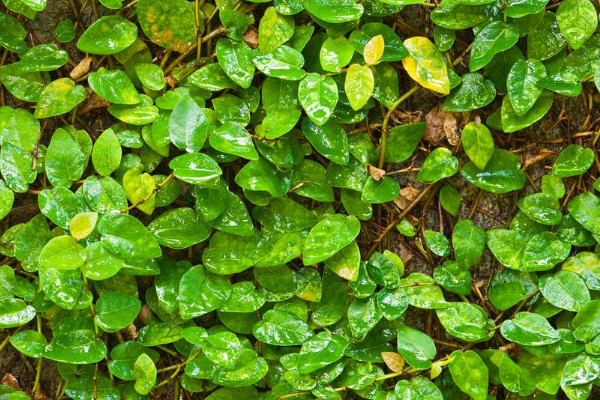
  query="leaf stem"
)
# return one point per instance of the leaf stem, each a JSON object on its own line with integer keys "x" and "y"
{"x": 386, "y": 119}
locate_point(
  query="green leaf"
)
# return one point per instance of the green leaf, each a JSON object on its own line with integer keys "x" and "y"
{"x": 585, "y": 208}
{"x": 274, "y": 30}
{"x": 320, "y": 351}
{"x": 449, "y": 199}
{"x": 502, "y": 173}
{"x": 384, "y": 190}
{"x": 543, "y": 251}
{"x": 144, "y": 374}
{"x": 402, "y": 141}
{"x": 284, "y": 62}
{"x": 58, "y": 97}
{"x": 466, "y": 321}
{"x": 329, "y": 236}
{"x": 195, "y": 168}
{"x": 336, "y": 11}
{"x": 437, "y": 243}
{"x": 151, "y": 75}
{"x": 541, "y": 207}
{"x": 546, "y": 40}
{"x": 201, "y": 292}
{"x": 335, "y": 53}
{"x": 521, "y": 8}
{"x": 523, "y": 88}
{"x": 346, "y": 262}
{"x": 31, "y": 343}
{"x": 108, "y": 35}
{"x": 65, "y": 160}
{"x": 577, "y": 20}
{"x": 329, "y": 139}
{"x": 529, "y": 329}
{"x": 281, "y": 328}
{"x": 453, "y": 278}
{"x": 232, "y": 138}
{"x": 359, "y": 85}
{"x": 586, "y": 324}
{"x": 212, "y": 77}
{"x": 565, "y": 290}
{"x": 491, "y": 40}
{"x": 439, "y": 164}
{"x": 128, "y": 238}
{"x": 478, "y": 143}
{"x": 419, "y": 388}
{"x": 470, "y": 373}
{"x": 262, "y": 175}
{"x": 115, "y": 311}
{"x": 318, "y": 96}
{"x": 43, "y": 57}
{"x": 468, "y": 241}
{"x": 363, "y": 316}
{"x": 512, "y": 122}
{"x": 123, "y": 357}
{"x": 425, "y": 64}
{"x": 179, "y": 228}
{"x": 139, "y": 187}
{"x": 416, "y": 347}
{"x": 15, "y": 312}
{"x": 168, "y": 23}
{"x": 113, "y": 86}
{"x": 472, "y": 93}
{"x": 12, "y": 33}
{"x": 107, "y": 152}
{"x": 62, "y": 252}
{"x": 572, "y": 161}
{"x": 188, "y": 125}
{"x": 236, "y": 60}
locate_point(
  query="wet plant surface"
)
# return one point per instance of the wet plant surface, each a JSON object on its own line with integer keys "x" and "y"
{"x": 386, "y": 199}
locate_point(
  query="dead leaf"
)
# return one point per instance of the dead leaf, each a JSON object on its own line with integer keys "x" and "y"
{"x": 130, "y": 332}
{"x": 394, "y": 361}
{"x": 39, "y": 395}
{"x": 92, "y": 102}
{"x": 376, "y": 173}
{"x": 172, "y": 82}
{"x": 11, "y": 381}
{"x": 536, "y": 155}
{"x": 406, "y": 196}
{"x": 401, "y": 117}
{"x": 444, "y": 124}
{"x": 251, "y": 37}
{"x": 82, "y": 68}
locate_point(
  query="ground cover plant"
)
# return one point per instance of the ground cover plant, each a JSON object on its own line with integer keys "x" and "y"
{"x": 330, "y": 199}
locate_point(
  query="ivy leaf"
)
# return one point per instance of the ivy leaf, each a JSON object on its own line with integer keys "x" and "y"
{"x": 586, "y": 324}
{"x": 328, "y": 237}
{"x": 58, "y": 97}
{"x": 15, "y": 312}
{"x": 318, "y": 96}
{"x": 380, "y": 191}
{"x": 577, "y": 20}
{"x": 529, "y": 329}
{"x": 115, "y": 311}
{"x": 274, "y": 30}
{"x": 144, "y": 374}
{"x": 546, "y": 40}
{"x": 572, "y": 161}
{"x": 329, "y": 139}
{"x": 363, "y": 315}
{"x": 335, "y": 12}
{"x": 565, "y": 290}
{"x": 478, "y": 143}
{"x": 520, "y": 8}
{"x": 236, "y": 60}
{"x": 201, "y": 292}
{"x": 425, "y": 64}
{"x": 402, "y": 141}
{"x": 472, "y": 93}
{"x": 543, "y": 251}
{"x": 439, "y": 164}
{"x": 113, "y": 86}
{"x": 128, "y": 238}
{"x": 43, "y": 57}
{"x": 168, "y": 23}
{"x": 470, "y": 373}
{"x": 320, "y": 351}
{"x": 523, "y": 88}
{"x": 419, "y": 388}
{"x": 179, "y": 228}
{"x": 416, "y": 347}
{"x": 359, "y": 85}
{"x": 107, "y": 152}
{"x": 491, "y": 40}
{"x": 468, "y": 241}
{"x": 108, "y": 35}
{"x": 282, "y": 328}
{"x": 195, "y": 168}
{"x": 502, "y": 173}
{"x": 585, "y": 209}
{"x": 63, "y": 253}
{"x": 188, "y": 125}
{"x": 541, "y": 207}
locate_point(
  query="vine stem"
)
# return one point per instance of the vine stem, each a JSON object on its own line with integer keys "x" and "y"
{"x": 386, "y": 119}
{"x": 38, "y": 372}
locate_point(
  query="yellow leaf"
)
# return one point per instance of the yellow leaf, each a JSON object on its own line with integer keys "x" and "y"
{"x": 436, "y": 370}
{"x": 139, "y": 188}
{"x": 394, "y": 361}
{"x": 426, "y": 65}
{"x": 374, "y": 50}
{"x": 82, "y": 225}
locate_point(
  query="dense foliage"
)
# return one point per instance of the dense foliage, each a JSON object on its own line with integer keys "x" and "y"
{"x": 206, "y": 198}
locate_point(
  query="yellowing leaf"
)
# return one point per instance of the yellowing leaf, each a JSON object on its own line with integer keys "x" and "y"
{"x": 83, "y": 224}
{"x": 426, "y": 65}
{"x": 359, "y": 85}
{"x": 374, "y": 50}
{"x": 394, "y": 361}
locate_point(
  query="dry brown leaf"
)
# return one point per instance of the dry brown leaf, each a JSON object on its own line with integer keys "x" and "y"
{"x": 401, "y": 117}
{"x": 394, "y": 361}
{"x": 172, "y": 82}
{"x": 376, "y": 173}
{"x": 444, "y": 124}
{"x": 40, "y": 395}
{"x": 536, "y": 155}
{"x": 82, "y": 68}
{"x": 406, "y": 196}
{"x": 11, "y": 381}
{"x": 251, "y": 37}
{"x": 92, "y": 102}
{"x": 130, "y": 332}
